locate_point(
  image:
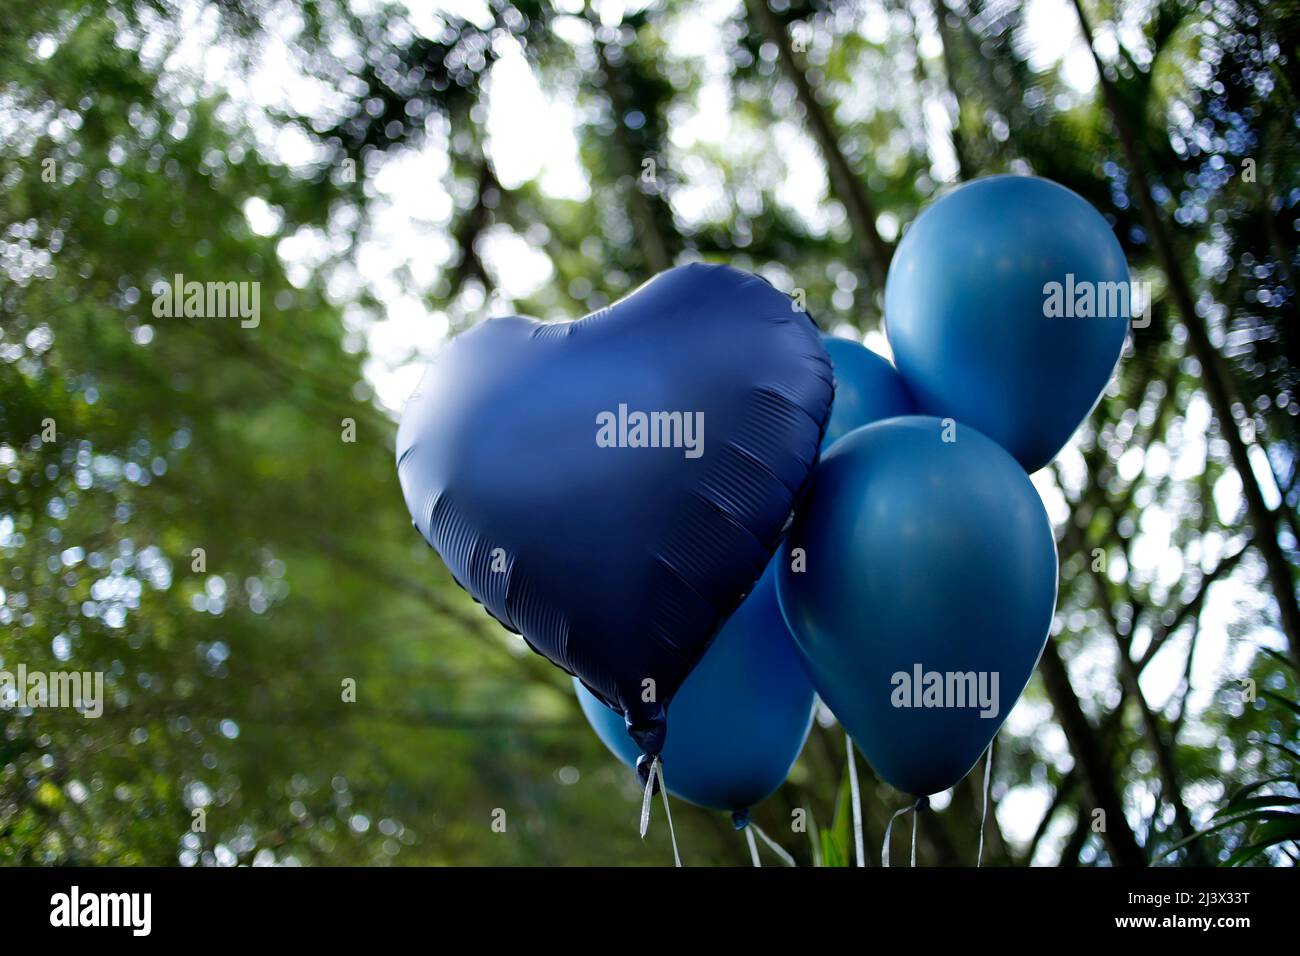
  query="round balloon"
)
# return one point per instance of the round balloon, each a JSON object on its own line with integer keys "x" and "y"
{"x": 1006, "y": 306}
{"x": 926, "y": 596}
{"x": 739, "y": 720}
{"x": 867, "y": 389}
{"x": 610, "y": 488}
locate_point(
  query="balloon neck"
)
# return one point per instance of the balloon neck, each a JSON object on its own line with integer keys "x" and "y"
{"x": 648, "y": 728}
{"x": 922, "y": 803}
{"x": 740, "y": 819}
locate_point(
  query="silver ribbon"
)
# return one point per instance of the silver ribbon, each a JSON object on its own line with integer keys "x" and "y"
{"x": 772, "y": 845}
{"x": 857, "y": 802}
{"x": 657, "y": 773}
{"x": 984, "y": 810}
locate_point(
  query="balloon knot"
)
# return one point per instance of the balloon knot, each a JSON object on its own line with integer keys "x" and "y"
{"x": 922, "y": 803}
{"x": 740, "y": 819}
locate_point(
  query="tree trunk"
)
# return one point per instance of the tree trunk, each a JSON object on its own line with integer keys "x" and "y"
{"x": 1161, "y": 745}
{"x": 845, "y": 183}
{"x": 653, "y": 243}
{"x": 964, "y": 168}
{"x": 1217, "y": 388}
{"x": 470, "y": 229}
{"x": 1095, "y": 770}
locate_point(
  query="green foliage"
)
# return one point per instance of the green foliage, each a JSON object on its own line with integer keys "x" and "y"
{"x": 837, "y": 841}
{"x": 1264, "y": 815}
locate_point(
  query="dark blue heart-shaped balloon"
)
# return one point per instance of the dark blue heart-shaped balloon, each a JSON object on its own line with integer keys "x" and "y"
{"x": 740, "y": 718}
{"x": 611, "y": 488}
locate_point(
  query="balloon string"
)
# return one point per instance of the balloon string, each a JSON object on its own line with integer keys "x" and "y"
{"x": 753, "y": 847}
{"x": 921, "y": 804}
{"x": 857, "y": 802}
{"x": 657, "y": 774}
{"x": 984, "y": 810}
{"x": 889, "y": 828}
{"x": 772, "y": 845}
{"x": 645, "y": 801}
{"x": 916, "y": 822}
{"x": 658, "y": 768}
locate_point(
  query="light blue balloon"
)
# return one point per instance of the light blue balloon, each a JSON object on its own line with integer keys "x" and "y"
{"x": 965, "y": 306}
{"x": 867, "y": 389}
{"x": 740, "y": 719}
{"x": 921, "y": 553}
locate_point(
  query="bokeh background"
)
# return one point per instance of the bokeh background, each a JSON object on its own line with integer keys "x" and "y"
{"x": 391, "y": 173}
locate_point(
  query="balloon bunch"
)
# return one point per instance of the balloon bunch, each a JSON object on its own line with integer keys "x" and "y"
{"x": 616, "y": 490}
{"x": 931, "y": 567}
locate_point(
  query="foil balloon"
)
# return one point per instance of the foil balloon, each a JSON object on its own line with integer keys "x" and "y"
{"x": 610, "y": 488}
{"x": 739, "y": 720}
